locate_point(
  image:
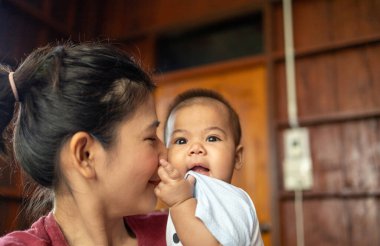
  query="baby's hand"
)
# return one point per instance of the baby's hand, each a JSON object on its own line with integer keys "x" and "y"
{"x": 173, "y": 188}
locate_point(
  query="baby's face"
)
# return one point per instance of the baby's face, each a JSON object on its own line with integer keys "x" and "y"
{"x": 201, "y": 139}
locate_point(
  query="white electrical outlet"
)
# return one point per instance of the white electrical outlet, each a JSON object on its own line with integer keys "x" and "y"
{"x": 297, "y": 164}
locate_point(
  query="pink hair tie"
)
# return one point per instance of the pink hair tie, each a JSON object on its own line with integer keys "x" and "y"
{"x": 13, "y": 86}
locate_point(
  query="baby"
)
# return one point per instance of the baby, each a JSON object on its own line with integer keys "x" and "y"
{"x": 202, "y": 134}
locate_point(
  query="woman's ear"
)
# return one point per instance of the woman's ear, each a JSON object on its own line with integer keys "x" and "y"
{"x": 239, "y": 157}
{"x": 82, "y": 151}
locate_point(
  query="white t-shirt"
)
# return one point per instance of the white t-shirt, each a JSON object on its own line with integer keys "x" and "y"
{"x": 226, "y": 210}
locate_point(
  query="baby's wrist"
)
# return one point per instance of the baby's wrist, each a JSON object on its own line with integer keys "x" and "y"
{"x": 182, "y": 202}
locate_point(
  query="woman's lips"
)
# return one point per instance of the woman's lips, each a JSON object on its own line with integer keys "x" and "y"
{"x": 201, "y": 170}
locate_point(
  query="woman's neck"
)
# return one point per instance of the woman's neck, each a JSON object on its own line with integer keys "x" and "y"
{"x": 84, "y": 221}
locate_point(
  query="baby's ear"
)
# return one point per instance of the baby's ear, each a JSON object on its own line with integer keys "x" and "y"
{"x": 239, "y": 157}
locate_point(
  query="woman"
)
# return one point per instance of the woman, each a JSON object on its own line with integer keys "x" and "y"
{"x": 86, "y": 129}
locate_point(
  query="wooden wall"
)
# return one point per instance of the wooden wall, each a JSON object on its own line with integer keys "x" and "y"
{"x": 337, "y": 46}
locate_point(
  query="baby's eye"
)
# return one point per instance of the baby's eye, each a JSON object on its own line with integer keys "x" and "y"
{"x": 212, "y": 139}
{"x": 180, "y": 141}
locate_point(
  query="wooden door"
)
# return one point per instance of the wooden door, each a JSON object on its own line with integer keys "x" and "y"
{"x": 246, "y": 89}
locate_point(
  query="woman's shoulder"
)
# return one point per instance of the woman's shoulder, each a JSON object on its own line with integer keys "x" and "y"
{"x": 40, "y": 233}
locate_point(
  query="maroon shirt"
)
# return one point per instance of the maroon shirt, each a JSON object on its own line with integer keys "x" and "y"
{"x": 149, "y": 229}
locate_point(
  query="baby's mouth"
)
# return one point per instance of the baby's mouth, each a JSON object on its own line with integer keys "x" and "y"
{"x": 201, "y": 170}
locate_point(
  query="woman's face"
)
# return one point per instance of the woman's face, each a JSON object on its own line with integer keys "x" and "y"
{"x": 129, "y": 174}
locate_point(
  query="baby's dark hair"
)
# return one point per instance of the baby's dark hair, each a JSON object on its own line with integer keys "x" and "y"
{"x": 190, "y": 97}
{"x": 65, "y": 89}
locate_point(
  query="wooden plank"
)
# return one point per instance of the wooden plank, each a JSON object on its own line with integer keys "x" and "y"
{"x": 360, "y": 154}
{"x": 128, "y": 19}
{"x": 324, "y": 223}
{"x": 343, "y": 195}
{"x": 326, "y": 156}
{"x": 345, "y": 158}
{"x": 335, "y": 83}
{"x": 334, "y": 222}
{"x": 333, "y": 118}
{"x": 271, "y": 105}
{"x": 237, "y": 64}
{"x": 365, "y": 218}
{"x": 323, "y": 22}
{"x": 326, "y": 163}
{"x": 279, "y": 56}
{"x": 315, "y": 95}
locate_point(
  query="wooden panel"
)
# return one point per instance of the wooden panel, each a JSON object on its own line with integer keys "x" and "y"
{"x": 328, "y": 21}
{"x": 338, "y": 78}
{"x": 334, "y": 222}
{"x": 346, "y": 157}
{"x": 194, "y": 12}
{"x": 341, "y": 82}
{"x": 327, "y": 166}
{"x": 245, "y": 88}
{"x": 131, "y": 18}
{"x": 324, "y": 223}
{"x": 361, "y": 155}
{"x": 364, "y": 221}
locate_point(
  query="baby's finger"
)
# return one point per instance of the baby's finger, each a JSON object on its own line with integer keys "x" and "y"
{"x": 163, "y": 174}
{"x": 158, "y": 191}
{"x": 191, "y": 180}
{"x": 170, "y": 169}
{"x": 163, "y": 162}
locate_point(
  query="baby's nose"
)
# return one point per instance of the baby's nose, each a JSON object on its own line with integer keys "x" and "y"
{"x": 197, "y": 149}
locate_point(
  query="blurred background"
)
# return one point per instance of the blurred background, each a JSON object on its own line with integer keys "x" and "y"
{"x": 238, "y": 48}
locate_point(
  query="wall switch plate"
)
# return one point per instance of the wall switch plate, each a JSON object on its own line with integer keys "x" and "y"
{"x": 297, "y": 163}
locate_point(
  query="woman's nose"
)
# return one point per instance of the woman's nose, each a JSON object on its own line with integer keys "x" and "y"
{"x": 197, "y": 149}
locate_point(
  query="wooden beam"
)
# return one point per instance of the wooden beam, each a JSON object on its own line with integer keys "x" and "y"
{"x": 331, "y": 47}
{"x": 210, "y": 68}
{"x": 311, "y": 195}
{"x": 332, "y": 118}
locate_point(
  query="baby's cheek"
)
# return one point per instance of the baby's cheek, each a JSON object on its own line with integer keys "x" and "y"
{"x": 181, "y": 168}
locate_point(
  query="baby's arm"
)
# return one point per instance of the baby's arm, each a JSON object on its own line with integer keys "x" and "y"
{"x": 177, "y": 193}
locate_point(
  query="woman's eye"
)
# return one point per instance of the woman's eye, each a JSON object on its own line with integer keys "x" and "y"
{"x": 152, "y": 139}
{"x": 180, "y": 141}
{"x": 212, "y": 139}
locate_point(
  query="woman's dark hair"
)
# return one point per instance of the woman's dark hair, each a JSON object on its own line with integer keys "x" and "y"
{"x": 65, "y": 89}
{"x": 192, "y": 96}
